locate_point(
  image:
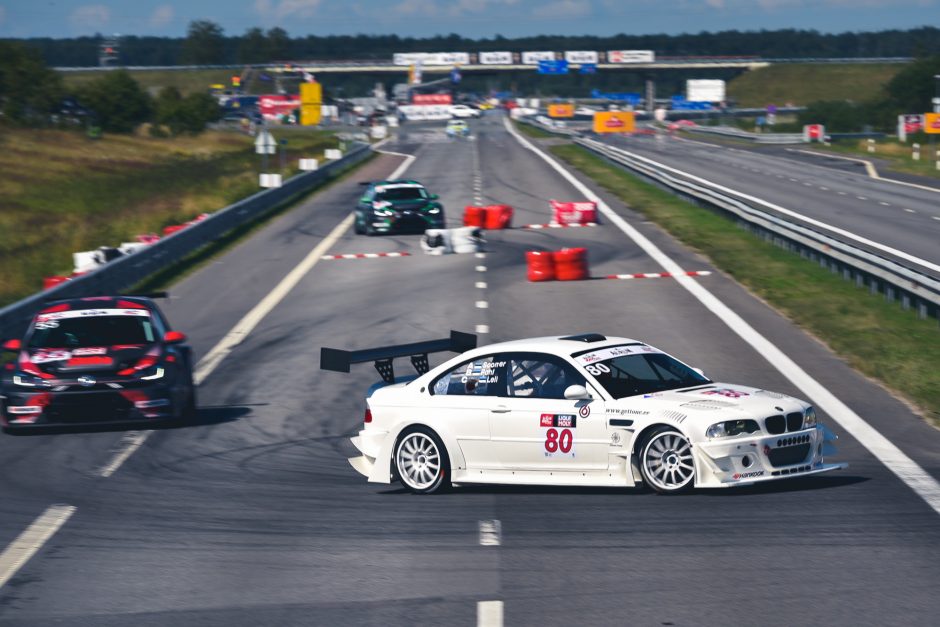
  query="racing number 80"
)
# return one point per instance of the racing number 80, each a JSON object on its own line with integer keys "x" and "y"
{"x": 598, "y": 369}
{"x": 558, "y": 441}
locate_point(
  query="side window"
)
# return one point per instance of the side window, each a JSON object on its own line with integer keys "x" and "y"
{"x": 484, "y": 376}
{"x": 537, "y": 375}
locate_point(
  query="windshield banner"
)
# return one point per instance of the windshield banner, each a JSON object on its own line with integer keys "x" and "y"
{"x": 615, "y": 351}
{"x": 88, "y": 313}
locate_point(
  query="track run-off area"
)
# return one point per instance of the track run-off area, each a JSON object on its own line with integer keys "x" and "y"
{"x": 252, "y": 516}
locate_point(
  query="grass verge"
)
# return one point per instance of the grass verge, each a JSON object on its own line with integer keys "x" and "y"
{"x": 803, "y": 83}
{"x": 63, "y": 192}
{"x": 534, "y": 131}
{"x": 895, "y": 153}
{"x": 875, "y": 337}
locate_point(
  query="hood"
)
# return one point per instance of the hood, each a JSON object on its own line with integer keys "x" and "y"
{"x": 716, "y": 401}
{"x": 92, "y": 359}
{"x": 411, "y": 205}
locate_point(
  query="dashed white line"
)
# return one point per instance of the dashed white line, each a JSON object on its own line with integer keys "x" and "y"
{"x": 491, "y": 533}
{"x": 884, "y": 204}
{"x": 480, "y": 255}
{"x": 861, "y": 198}
{"x": 482, "y": 304}
{"x": 935, "y": 217}
{"x": 885, "y": 451}
{"x": 843, "y": 193}
{"x": 910, "y": 210}
{"x": 480, "y": 285}
{"x": 131, "y": 441}
{"x": 481, "y": 268}
{"x": 824, "y": 188}
{"x": 31, "y": 540}
{"x": 483, "y": 328}
{"x": 490, "y": 614}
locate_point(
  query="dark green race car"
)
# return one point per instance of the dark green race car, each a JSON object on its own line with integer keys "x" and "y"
{"x": 402, "y": 206}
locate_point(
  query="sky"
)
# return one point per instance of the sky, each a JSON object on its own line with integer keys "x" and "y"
{"x": 469, "y": 18}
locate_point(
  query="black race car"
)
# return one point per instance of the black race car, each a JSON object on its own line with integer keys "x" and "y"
{"x": 97, "y": 360}
{"x": 401, "y": 206}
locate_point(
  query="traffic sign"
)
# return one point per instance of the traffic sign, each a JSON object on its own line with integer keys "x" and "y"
{"x": 265, "y": 144}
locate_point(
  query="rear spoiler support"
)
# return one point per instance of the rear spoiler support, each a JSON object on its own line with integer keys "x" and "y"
{"x": 340, "y": 360}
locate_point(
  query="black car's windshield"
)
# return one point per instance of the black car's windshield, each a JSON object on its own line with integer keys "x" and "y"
{"x": 400, "y": 193}
{"x": 83, "y": 332}
{"x": 637, "y": 369}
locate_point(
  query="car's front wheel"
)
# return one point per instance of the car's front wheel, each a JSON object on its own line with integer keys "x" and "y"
{"x": 421, "y": 461}
{"x": 666, "y": 461}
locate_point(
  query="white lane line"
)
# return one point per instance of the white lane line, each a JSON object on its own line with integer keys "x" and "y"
{"x": 935, "y": 217}
{"x": 491, "y": 533}
{"x": 843, "y": 193}
{"x": 905, "y": 468}
{"x": 861, "y": 198}
{"x": 824, "y": 188}
{"x": 131, "y": 441}
{"x": 910, "y": 211}
{"x": 483, "y": 328}
{"x": 31, "y": 540}
{"x": 482, "y": 304}
{"x": 869, "y": 168}
{"x": 884, "y": 204}
{"x": 490, "y": 614}
{"x": 480, "y": 255}
{"x": 481, "y": 268}
{"x": 480, "y": 285}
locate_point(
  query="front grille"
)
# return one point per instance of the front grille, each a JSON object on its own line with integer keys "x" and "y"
{"x": 789, "y": 451}
{"x": 778, "y": 424}
{"x": 91, "y": 407}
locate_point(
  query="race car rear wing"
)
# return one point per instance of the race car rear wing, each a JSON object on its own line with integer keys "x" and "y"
{"x": 339, "y": 360}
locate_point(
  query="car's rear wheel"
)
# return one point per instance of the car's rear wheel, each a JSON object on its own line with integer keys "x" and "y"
{"x": 666, "y": 461}
{"x": 421, "y": 461}
{"x": 357, "y": 227}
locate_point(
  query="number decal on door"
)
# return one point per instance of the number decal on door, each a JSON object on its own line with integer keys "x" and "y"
{"x": 558, "y": 442}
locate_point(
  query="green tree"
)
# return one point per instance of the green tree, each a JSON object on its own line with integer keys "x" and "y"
{"x": 279, "y": 45}
{"x": 184, "y": 115}
{"x": 116, "y": 101}
{"x": 253, "y": 47}
{"x": 204, "y": 44}
{"x": 911, "y": 89}
{"x": 29, "y": 91}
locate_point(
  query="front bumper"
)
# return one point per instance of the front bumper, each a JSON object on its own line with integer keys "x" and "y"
{"x": 99, "y": 405}
{"x": 407, "y": 222}
{"x": 741, "y": 461}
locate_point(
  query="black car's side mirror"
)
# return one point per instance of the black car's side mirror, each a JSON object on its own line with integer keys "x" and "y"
{"x": 434, "y": 196}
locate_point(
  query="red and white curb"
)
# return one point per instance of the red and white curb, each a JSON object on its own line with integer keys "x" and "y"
{"x": 365, "y": 256}
{"x": 555, "y": 225}
{"x": 656, "y": 275}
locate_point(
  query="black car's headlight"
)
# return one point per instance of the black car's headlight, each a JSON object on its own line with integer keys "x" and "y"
{"x": 152, "y": 374}
{"x": 434, "y": 210}
{"x": 21, "y": 379}
{"x": 731, "y": 428}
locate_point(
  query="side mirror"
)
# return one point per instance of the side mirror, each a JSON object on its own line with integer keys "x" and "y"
{"x": 364, "y": 199}
{"x": 12, "y": 346}
{"x": 434, "y": 196}
{"x": 174, "y": 337}
{"x": 700, "y": 371}
{"x": 577, "y": 393}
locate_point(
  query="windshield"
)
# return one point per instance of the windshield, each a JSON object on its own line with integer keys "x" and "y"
{"x": 83, "y": 332}
{"x": 638, "y": 369}
{"x": 401, "y": 193}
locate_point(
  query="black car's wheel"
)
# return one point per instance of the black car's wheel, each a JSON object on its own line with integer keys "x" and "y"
{"x": 666, "y": 461}
{"x": 357, "y": 227}
{"x": 421, "y": 461}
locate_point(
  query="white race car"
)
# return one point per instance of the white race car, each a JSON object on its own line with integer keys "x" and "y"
{"x": 582, "y": 410}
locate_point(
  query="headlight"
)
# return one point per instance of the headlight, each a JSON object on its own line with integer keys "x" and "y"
{"x": 809, "y": 418}
{"x": 731, "y": 428}
{"x": 381, "y": 204}
{"x": 27, "y": 381}
{"x": 382, "y": 212}
{"x": 152, "y": 374}
{"x": 434, "y": 210}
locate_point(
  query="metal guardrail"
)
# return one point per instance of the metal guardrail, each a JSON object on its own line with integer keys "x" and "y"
{"x": 855, "y": 262}
{"x": 758, "y": 138}
{"x": 129, "y": 270}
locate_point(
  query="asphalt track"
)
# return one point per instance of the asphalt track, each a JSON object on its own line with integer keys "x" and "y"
{"x": 253, "y": 517}
{"x": 904, "y": 216}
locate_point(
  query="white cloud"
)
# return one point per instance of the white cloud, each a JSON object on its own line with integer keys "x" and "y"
{"x": 90, "y": 17}
{"x": 287, "y": 8}
{"x": 416, "y": 7}
{"x": 161, "y": 16}
{"x": 564, "y": 8}
{"x": 3, "y": 14}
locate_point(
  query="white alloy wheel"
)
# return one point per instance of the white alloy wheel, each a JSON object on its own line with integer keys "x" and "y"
{"x": 421, "y": 462}
{"x": 667, "y": 462}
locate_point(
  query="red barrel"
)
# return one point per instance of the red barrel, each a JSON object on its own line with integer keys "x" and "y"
{"x": 571, "y": 264}
{"x": 582, "y": 212}
{"x": 474, "y": 216}
{"x": 541, "y": 265}
{"x": 498, "y": 217}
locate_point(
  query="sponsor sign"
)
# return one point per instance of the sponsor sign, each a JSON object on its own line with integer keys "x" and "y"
{"x": 814, "y": 132}
{"x": 614, "y": 122}
{"x": 630, "y": 56}
{"x": 425, "y": 112}
{"x": 533, "y": 58}
{"x": 91, "y": 313}
{"x": 932, "y": 123}
{"x": 431, "y": 99}
{"x": 581, "y": 56}
{"x": 273, "y": 106}
{"x": 704, "y": 90}
{"x": 910, "y": 123}
{"x": 495, "y": 58}
{"x": 615, "y": 351}
{"x": 311, "y": 93}
{"x": 431, "y": 58}
{"x": 553, "y": 67}
{"x": 561, "y": 110}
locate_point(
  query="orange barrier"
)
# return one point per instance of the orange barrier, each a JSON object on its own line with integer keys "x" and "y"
{"x": 541, "y": 265}
{"x": 574, "y": 212}
{"x": 497, "y": 217}
{"x": 571, "y": 264}
{"x": 474, "y": 216}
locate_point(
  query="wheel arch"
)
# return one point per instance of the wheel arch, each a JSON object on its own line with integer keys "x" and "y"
{"x": 385, "y": 458}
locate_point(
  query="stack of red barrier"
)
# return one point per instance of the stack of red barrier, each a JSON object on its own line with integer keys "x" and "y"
{"x": 574, "y": 212}
{"x": 567, "y": 264}
{"x": 497, "y": 217}
{"x": 474, "y": 216}
{"x": 541, "y": 265}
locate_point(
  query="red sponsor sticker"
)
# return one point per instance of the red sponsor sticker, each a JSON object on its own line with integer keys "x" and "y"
{"x": 547, "y": 420}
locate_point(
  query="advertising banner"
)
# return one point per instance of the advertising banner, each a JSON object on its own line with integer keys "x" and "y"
{"x": 425, "y": 112}
{"x": 561, "y": 110}
{"x": 533, "y": 58}
{"x": 932, "y": 123}
{"x": 431, "y": 99}
{"x": 495, "y": 58}
{"x": 630, "y": 56}
{"x": 908, "y": 124}
{"x": 431, "y": 58}
{"x": 273, "y": 106}
{"x": 814, "y": 132}
{"x": 581, "y": 56}
{"x": 552, "y": 67}
{"x": 704, "y": 90}
{"x": 614, "y": 122}
{"x": 311, "y": 93}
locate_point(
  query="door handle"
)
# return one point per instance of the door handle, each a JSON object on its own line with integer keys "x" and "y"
{"x": 501, "y": 410}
